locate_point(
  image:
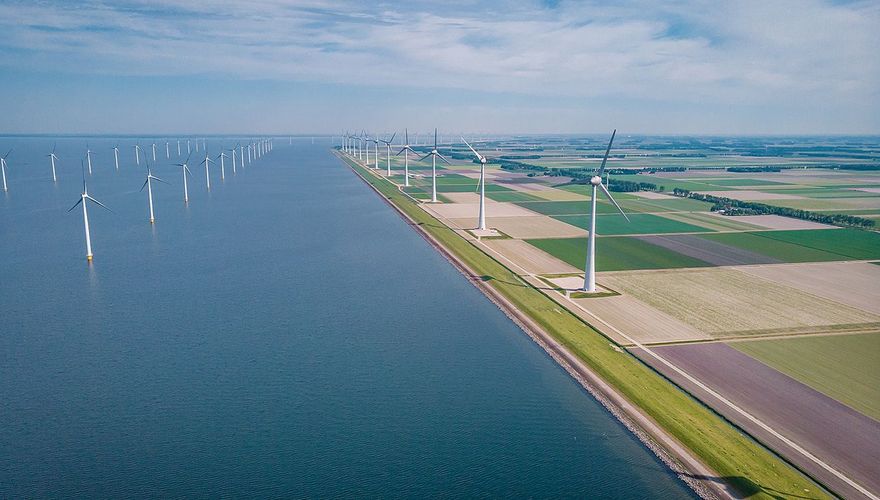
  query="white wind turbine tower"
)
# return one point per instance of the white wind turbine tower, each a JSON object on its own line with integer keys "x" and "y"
{"x": 154, "y": 152}
{"x": 116, "y": 155}
{"x": 249, "y": 154}
{"x": 52, "y": 158}
{"x": 188, "y": 148}
{"x": 387, "y": 153}
{"x": 89, "y": 158}
{"x": 3, "y": 169}
{"x": 376, "y": 151}
{"x": 596, "y": 182}
{"x": 483, "y": 162}
{"x": 137, "y": 155}
{"x": 434, "y": 154}
{"x": 206, "y": 161}
{"x": 406, "y": 150}
{"x": 185, "y": 170}
{"x": 197, "y": 145}
{"x": 222, "y": 157}
{"x": 167, "y": 151}
{"x": 241, "y": 154}
{"x": 178, "y": 148}
{"x": 149, "y": 185}
{"x": 84, "y": 198}
{"x": 233, "y": 159}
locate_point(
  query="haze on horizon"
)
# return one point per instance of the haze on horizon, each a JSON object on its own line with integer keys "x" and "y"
{"x": 288, "y": 67}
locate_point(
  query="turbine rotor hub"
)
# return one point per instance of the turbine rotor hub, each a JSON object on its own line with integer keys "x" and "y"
{"x": 596, "y": 180}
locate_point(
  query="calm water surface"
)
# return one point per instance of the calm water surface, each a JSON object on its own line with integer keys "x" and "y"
{"x": 285, "y": 335}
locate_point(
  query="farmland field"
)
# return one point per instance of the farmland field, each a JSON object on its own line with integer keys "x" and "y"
{"x": 616, "y": 254}
{"x": 615, "y": 224}
{"x": 788, "y": 248}
{"x": 843, "y": 367}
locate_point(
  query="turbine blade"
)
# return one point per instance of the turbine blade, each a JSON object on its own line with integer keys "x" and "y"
{"x": 444, "y": 158}
{"x": 472, "y": 149}
{"x": 608, "y": 150}
{"x": 392, "y": 138}
{"x": 145, "y": 183}
{"x": 160, "y": 180}
{"x": 99, "y": 203}
{"x": 75, "y": 204}
{"x": 426, "y": 156}
{"x": 187, "y": 170}
{"x": 605, "y": 190}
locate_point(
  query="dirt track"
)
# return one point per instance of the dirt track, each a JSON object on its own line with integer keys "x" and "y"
{"x": 839, "y": 435}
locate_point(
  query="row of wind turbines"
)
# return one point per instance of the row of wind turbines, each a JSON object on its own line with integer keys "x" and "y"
{"x": 255, "y": 150}
{"x": 357, "y": 147}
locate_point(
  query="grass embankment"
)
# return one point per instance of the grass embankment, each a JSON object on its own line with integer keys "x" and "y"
{"x": 740, "y": 461}
{"x": 843, "y": 367}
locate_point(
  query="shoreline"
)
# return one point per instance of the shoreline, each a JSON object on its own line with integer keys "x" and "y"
{"x": 665, "y": 447}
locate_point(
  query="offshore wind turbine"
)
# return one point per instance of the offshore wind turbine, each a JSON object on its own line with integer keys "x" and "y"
{"x": 178, "y": 148}
{"x": 52, "y": 158}
{"x": 387, "y": 153}
{"x": 89, "y": 158}
{"x": 3, "y": 169}
{"x": 137, "y": 155}
{"x": 233, "y": 159}
{"x": 185, "y": 170}
{"x": 434, "y": 154}
{"x": 84, "y": 198}
{"x": 116, "y": 155}
{"x": 154, "y": 152}
{"x": 167, "y": 151}
{"x": 241, "y": 154}
{"x": 149, "y": 185}
{"x": 406, "y": 150}
{"x": 222, "y": 157}
{"x": 206, "y": 161}
{"x": 482, "y": 186}
{"x": 188, "y": 148}
{"x": 596, "y": 182}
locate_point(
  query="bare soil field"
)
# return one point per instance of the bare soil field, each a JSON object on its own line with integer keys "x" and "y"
{"x": 463, "y": 197}
{"x": 839, "y": 435}
{"x": 529, "y": 257}
{"x": 776, "y": 222}
{"x": 538, "y": 226}
{"x": 727, "y": 302}
{"x": 855, "y": 284}
{"x": 713, "y": 252}
{"x": 751, "y": 195}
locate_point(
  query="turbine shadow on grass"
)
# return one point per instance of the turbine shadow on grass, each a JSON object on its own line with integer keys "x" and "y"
{"x": 743, "y": 487}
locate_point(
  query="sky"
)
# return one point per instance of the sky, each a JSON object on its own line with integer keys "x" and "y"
{"x": 166, "y": 67}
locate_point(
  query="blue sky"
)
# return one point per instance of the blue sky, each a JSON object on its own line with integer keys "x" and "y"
{"x": 231, "y": 66}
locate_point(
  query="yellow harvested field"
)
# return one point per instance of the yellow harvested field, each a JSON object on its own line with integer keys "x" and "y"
{"x": 463, "y": 197}
{"x": 749, "y": 195}
{"x": 640, "y": 321}
{"x": 527, "y": 258}
{"x": 855, "y": 284}
{"x": 775, "y": 222}
{"x": 539, "y": 226}
{"x": 729, "y": 302}
{"x": 547, "y": 192}
{"x": 494, "y": 209}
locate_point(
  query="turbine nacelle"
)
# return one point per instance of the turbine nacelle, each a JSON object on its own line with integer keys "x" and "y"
{"x": 595, "y": 180}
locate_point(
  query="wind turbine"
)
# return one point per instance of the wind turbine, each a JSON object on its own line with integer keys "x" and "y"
{"x": 596, "y": 182}
{"x": 376, "y": 151}
{"x": 52, "y": 158}
{"x": 3, "y": 169}
{"x": 178, "y": 148}
{"x": 149, "y": 185}
{"x": 206, "y": 161}
{"x": 222, "y": 156}
{"x": 434, "y": 154}
{"x": 154, "y": 152}
{"x": 116, "y": 155}
{"x": 167, "y": 151}
{"x": 233, "y": 159}
{"x": 406, "y": 150}
{"x": 483, "y": 162}
{"x": 84, "y": 198}
{"x": 388, "y": 153}
{"x": 188, "y": 148}
{"x": 89, "y": 158}
{"x": 241, "y": 154}
{"x": 185, "y": 170}
{"x": 137, "y": 155}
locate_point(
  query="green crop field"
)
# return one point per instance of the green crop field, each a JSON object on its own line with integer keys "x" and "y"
{"x": 669, "y": 205}
{"x": 843, "y": 367}
{"x": 615, "y": 224}
{"x": 616, "y": 254}
{"x": 566, "y": 207}
{"x": 786, "y": 252}
{"x": 511, "y": 196}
